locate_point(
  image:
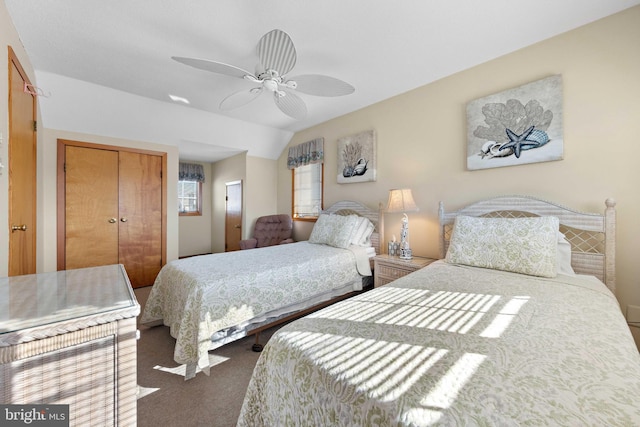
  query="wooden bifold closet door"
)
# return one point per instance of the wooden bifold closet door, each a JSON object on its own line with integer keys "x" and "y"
{"x": 111, "y": 203}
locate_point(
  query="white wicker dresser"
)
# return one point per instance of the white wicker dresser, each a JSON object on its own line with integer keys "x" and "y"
{"x": 69, "y": 337}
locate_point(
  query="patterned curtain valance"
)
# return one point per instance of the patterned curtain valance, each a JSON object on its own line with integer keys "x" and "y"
{"x": 191, "y": 172}
{"x": 306, "y": 153}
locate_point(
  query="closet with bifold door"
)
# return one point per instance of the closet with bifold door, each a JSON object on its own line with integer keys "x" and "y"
{"x": 111, "y": 209}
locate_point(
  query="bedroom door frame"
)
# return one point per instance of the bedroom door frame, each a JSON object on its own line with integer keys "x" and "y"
{"x": 233, "y": 216}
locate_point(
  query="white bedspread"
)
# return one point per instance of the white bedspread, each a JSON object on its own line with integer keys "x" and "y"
{"x": 455, "y": 346}
{"x": 197, "y": 297}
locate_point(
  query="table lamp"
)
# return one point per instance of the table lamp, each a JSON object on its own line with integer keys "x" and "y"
{"x": 402, "y": 201}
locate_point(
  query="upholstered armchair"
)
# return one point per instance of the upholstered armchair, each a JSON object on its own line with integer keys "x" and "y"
{"x": 270, "y": 230}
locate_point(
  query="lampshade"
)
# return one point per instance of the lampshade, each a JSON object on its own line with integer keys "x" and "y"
{"x": 401, "y": 201}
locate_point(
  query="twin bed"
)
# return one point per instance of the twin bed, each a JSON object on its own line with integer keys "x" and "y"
{"x": 210, "y": 300}
{"x": 517, "y": 324}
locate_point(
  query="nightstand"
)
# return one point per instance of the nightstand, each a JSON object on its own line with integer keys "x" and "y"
{"x": 389, "y": 268}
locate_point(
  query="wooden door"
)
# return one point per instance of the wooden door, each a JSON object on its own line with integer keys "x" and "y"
{"x": 91, "y": 207}
{"x": 140, "y": 222}
{"x": 233, "y": 216}
{"x": 22, "y": 172}
{"x": 112, "y": 209}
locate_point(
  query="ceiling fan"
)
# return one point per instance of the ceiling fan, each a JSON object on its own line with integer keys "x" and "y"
{"x": 277, "y": 56}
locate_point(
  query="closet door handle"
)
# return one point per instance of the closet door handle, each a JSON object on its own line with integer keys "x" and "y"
{"x": 112, "y": 221}
{"x": 123, "y": 219}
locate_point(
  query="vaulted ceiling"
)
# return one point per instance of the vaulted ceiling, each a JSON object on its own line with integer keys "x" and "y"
{"x": 383, "y": 48}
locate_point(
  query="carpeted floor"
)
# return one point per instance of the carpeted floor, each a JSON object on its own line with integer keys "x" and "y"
{"x": 166, "y": 399}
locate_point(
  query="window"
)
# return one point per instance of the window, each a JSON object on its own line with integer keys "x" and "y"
{"x": 307, "y": 174}
{"x": 190, "y": 198}
{"x": 307, "y": 191}
{"x": 190, "y": 179}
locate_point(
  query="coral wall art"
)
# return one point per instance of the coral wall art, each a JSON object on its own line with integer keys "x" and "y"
{"x": 517, "y": 126}
{"x": 357, "y": 158}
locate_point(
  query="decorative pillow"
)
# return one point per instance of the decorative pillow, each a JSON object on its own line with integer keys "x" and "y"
{"x": 333, "y": 230}
{"x": 564, "y": 256}
{"x": 521, "y": 245}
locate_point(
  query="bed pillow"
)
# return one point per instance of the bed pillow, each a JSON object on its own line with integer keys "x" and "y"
{"x": 362, "y": 230}
{"x": 333, "y": 230}
{"x": 520, "y": 245}
{"x": 564, "y": 256}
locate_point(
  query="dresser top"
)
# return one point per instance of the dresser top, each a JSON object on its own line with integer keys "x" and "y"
{"x": 36, "y": 300}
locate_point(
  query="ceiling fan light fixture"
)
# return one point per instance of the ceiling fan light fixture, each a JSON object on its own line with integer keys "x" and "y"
{"x": 271, "y": 84}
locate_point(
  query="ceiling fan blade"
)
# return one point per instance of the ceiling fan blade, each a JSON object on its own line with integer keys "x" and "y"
{"x": 291, "y": 104}
{"x": 319, "y": 85}
{"x": 213, "y": 66}
{"x": 277, "y": 52}
{"x": 238, "y": 99}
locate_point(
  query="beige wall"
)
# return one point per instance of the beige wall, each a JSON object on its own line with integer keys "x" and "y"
{"x": 261, "y": 195}
{"x": 421, "y": 139}
{"x": 195, "y": 231}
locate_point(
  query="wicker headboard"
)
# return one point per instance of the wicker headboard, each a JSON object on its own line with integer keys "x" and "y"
{"x": 592, "y": 236}
{"x": 351, "y": 207}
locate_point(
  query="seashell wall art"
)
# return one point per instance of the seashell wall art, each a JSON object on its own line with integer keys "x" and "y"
{"x": 516, "y": 126}
{"x": 357, "y": 158}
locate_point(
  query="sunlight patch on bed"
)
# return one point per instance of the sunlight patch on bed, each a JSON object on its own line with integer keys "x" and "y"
{"x": 457, "y": 312}
{"x": 384, "y": 370}
{"x": 182, "y": 369}
{"x": 447, "y": 389}
{"x": 145, "y": 391}
{"x": 396, "y": 373}
{"x": 445, "y": 392}
{"x": 503, "y": 319}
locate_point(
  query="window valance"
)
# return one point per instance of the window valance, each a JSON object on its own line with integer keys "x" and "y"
{"x": 306, "y": 153}
{"x": 190, "y": 172}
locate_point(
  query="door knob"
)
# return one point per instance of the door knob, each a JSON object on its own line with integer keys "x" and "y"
{"x": 22, "y": 227}
{"x": 236, "y": 226}
{"x": 112, "y": 220}
{"x": 123, "y": 219}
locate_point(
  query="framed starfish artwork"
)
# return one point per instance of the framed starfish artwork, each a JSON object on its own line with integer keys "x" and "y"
{"x": 516, "y": 126}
